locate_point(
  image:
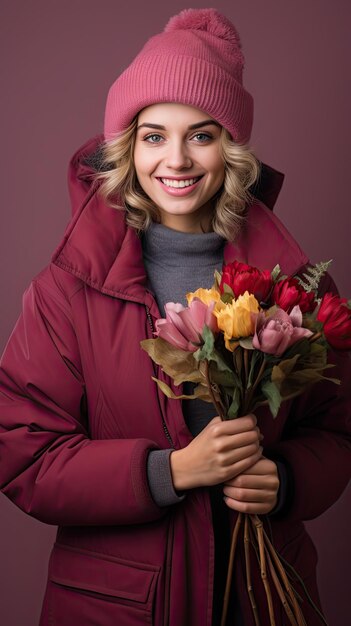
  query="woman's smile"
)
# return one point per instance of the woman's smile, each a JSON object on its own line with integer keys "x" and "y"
{"x": 179, "y": 186}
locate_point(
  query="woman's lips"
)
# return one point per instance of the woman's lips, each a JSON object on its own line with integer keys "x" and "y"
{"x": 180, "y": 191}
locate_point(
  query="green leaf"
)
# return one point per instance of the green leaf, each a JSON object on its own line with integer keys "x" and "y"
{"x": 281, "y": 371}
{"x": 309, "y": 321}
{"x": 208, "y": 352}
{"x": 275, "y": 272}
{"x": 271, "y": 392}
{"x": 228, "y": 290}
{"x": 205, "y": 352}
{"x": 313, "y": 275}
{"x": 272, "y": 310}
{"x": 226, "y": 378}
{"x": 218, "y": 278}
{"x": 256, "y": 357}
{"x": 226, "y": 298}
{"x": 235, "y": 405}
{"x": 301, "y": 347}
{"x": 307, "y": 376}
{"x": 246, "y": 342}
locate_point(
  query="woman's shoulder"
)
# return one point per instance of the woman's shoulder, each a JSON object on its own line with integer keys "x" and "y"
{"x": 264, "y": 241}
{"x": 53, "y": 283}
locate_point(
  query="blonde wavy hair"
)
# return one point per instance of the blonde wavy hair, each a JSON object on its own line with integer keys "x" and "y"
{"x": 120, "y": 187}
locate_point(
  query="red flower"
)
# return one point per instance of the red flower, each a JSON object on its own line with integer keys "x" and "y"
{"x": 241, "y": 277}
{"x": 336, "y": 318}
{"x": 288, "y": 293}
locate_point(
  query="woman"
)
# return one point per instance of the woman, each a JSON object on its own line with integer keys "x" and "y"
{"x": 135, "y": 481}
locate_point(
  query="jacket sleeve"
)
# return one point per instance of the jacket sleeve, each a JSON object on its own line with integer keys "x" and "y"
{"x": 49, "y": 466}
{"x": 316, "y": 446}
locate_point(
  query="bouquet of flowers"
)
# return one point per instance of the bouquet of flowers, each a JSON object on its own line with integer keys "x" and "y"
{"x": 255, "y": 338}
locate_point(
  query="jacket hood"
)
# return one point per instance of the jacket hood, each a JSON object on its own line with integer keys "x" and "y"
{"x": 100, "y": 249}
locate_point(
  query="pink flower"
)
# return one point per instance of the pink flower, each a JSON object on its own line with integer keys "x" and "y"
{"x": 276, "y": 333}
{"x": 183, "y": 327}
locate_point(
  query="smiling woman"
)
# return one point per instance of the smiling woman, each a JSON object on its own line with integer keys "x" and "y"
{"x": 135, "y": 480}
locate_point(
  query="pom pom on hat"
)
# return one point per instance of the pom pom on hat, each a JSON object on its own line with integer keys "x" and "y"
{"x": 196, "y": 60}
{"x": 207, "y": 20}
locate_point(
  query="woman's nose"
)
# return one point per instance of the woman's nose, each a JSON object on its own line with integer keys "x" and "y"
{"x": 177, "y": 156}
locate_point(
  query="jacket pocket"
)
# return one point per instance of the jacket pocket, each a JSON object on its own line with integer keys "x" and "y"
{"x": 97, "y": 590}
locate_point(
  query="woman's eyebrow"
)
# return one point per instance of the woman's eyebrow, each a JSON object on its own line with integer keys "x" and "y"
{"x": 191, "y": 127}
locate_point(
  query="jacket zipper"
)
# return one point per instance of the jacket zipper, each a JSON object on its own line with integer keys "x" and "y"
{"x": 170, "y": 532}
{"x": 165, "y": 429}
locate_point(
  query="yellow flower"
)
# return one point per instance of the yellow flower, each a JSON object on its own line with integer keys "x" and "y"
{"x": 236, "y": 319}
{"x": 205, "y": 295}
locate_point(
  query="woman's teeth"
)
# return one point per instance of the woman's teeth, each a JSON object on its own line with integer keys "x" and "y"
{"x": 179, "y": 183}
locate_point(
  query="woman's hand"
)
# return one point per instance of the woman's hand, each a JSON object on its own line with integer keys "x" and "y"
{"x": 255, "y": 490}
{"x": 221, "y": 451}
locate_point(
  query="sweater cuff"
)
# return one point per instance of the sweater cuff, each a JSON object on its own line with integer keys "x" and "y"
{"x": 160, "y": 478}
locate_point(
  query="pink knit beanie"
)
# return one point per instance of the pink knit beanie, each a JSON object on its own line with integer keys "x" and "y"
{"x": 196, "y": 60}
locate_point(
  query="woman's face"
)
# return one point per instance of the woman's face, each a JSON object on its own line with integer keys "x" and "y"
{"x": 178, "y": 163}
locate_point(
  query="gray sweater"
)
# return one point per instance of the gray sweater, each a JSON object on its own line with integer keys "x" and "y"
{"x": 177, "y": 263}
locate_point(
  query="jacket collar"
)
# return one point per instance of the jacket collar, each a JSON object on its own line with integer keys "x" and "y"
{"x": 100, "y": 249}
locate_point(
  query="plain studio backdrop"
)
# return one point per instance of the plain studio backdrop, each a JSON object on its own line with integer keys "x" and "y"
{"x": 58, "y": 60}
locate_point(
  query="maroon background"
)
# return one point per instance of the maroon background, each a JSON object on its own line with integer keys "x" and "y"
{"x": 59, "y": 59}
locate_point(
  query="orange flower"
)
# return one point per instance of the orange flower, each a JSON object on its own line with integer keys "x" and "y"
{"x": 237, "y": 319}
{"x": 205, "y": 295}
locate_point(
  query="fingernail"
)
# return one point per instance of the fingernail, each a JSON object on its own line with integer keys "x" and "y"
{"x": 261, "y": 437}
{"x": 260, "y": 449}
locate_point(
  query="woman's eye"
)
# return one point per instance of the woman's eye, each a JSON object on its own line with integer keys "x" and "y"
{"x": 202, "y": 137}
{"x": 153, "y": 138}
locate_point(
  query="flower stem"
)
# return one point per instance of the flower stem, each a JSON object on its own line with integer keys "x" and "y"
{"x": 246, "y": 377}
{"x": 250, "y": 393}
{"x": 217, "y": 404}
{"x": 248, "y": 570}
{"x": 246, "y": 366}
{"x": 257, "y": 522}
{"x": 315, "y": 337}
{"x": 230, "y": 568}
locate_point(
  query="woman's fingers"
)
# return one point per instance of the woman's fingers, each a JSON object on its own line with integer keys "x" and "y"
{"x": 247, "y": 495}
{"x": 239, "y": 440}
{"x": 238, "y": 454}
{"x": 252, "y": 508}
{"x": 262, "y": 468}
{"x": 219, "y": 452}
{"x": 255, "y": 490}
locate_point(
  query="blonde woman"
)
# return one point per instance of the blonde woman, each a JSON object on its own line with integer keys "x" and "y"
{"x": 145, "y": 490}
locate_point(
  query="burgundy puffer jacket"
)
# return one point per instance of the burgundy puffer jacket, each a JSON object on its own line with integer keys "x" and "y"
{"x": 79, "y": 414}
